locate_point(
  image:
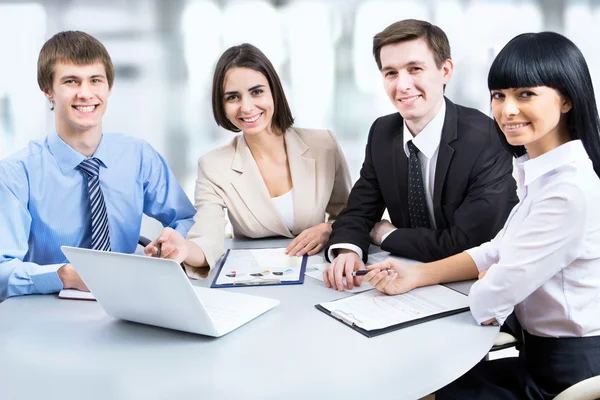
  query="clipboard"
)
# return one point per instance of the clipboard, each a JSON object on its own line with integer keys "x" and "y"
{"x": 276, "y": 275}
{"x": 353, "y": 319}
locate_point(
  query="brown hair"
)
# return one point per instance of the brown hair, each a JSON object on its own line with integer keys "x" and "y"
{"x": 411, "y": 29}
{"x": 74, "y": 47}
{"x": 248, "y": 56}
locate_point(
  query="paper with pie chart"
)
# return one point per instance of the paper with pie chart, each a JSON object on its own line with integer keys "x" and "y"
{"x": 249, "y": 267}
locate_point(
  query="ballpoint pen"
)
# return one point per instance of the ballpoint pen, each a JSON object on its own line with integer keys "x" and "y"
{"x": 159, "y": 250}
{"x": 363, "y": 272}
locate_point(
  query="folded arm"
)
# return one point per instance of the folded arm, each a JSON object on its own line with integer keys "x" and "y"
{"x": 491, "y": 194}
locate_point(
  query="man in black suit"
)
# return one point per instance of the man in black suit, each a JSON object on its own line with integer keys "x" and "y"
{"x": 439, "y": 168}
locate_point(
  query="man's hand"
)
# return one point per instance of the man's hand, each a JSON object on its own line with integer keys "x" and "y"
{"x": 71, "y": 279}
{"x": 173, "y": 246}
{"x": 404, "y": 278}
{"x": 379, "y": 230}
{"x": 310, "y": 241}
{"x": 344, "y": 264}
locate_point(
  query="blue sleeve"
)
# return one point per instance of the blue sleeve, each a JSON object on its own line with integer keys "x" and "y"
{"x": 18, "y": 277}
{"x": 164, "y": 199}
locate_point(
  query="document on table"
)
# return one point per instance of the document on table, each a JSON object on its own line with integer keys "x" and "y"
{"x": 73, "y": 294}
{"x": 380, "y": 256}
{"x": 318, "y": 275}
{"x": 374, "y": 313}
{"x": 248, "y": 267}
{"x": 373, "y": 258}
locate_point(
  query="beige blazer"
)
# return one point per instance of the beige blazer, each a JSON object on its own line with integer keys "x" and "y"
{"x": 228, "y": 178}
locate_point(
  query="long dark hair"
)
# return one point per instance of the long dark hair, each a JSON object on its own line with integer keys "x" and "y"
{"x": 550, "y": 59}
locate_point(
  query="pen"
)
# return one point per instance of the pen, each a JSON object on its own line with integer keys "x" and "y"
{"x": 159, "y": 250}
{"x": 363, "y": 272}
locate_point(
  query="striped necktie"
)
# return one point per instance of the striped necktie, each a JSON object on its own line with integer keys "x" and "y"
{"x": 100, "y": 232}
{"x": 417, "y": 204}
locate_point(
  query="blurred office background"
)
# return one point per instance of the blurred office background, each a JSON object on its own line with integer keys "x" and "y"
{"x": 164, "y": 52}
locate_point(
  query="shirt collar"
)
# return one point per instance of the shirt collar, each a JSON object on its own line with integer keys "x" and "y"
{"x": 428, "y": 140}
{"x": 532, "y": 169}
{"x": 68, "y": 158}
{"x": 102, "y": 153}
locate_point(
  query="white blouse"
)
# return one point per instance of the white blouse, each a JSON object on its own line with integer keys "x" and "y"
{"x": 545, "y": 262}
{"x": 285, "y": 205}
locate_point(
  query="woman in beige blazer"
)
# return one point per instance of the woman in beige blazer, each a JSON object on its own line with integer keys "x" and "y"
{"x": 273, "y": 179}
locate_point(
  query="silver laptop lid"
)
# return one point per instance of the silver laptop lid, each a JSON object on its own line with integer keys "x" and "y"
{"x": 142, "y": 289}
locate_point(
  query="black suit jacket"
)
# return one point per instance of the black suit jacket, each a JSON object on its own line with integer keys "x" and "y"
{"x": 473, "y": 193}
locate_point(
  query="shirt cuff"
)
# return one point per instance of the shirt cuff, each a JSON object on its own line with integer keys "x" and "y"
{"x": 331, "y": 254}
{"x": 478, "y": 258}
{"x": 183, "y": 226}
{"x": 387, "y": 234}
{"x": 46, "y": 278}
{"x": 480, "y": 311}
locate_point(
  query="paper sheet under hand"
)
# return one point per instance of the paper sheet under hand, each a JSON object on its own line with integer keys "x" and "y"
{"x": 318, "y": 274}
{"x": 373, "y": 259}
{"x": 73, "y": 294}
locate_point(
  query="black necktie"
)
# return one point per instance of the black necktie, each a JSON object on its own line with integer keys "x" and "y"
{"x": 417, "y": 204}
{"x": 100, "y": 233}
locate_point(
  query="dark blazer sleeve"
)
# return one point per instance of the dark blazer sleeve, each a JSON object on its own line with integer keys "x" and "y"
{"x": 490, "y": 197}
{"x": 365, "y": 207}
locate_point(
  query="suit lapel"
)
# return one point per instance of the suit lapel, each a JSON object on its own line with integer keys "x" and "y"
{"x": 401, "y": 172}
{"x": 302, "y": 169}
{"x": 252, "y": 189}
{"x": 445, "y": 154}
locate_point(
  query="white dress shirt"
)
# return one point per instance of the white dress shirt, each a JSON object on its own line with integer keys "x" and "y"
{"x": 428, "y": 143}
{"x": 545, "y": 262}
{"x": 285, "y": 205}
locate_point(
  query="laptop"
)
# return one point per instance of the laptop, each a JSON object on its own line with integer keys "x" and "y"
{"x": 156, "y": 291}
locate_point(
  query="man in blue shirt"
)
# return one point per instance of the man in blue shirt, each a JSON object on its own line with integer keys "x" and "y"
{"x": 79, "y": 186}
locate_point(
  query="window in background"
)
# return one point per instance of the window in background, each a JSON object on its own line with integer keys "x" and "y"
{"x": 476, "y": 37}
{"x": 257, "y": 23}
{"x": 23, "y": 108}
{"x": 582, "y": 26}
{"x": 201, "y": 29}
{"x": 312, "y": 29}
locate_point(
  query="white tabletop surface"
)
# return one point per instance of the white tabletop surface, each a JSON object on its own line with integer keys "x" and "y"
{"x": 65, "y": 349}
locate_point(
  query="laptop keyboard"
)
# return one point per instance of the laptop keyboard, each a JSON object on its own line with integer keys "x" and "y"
{"x": 222, "y": 316}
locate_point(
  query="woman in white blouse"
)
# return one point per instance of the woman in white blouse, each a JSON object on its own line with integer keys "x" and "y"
{"x": 274, "y": 179}
{"x": 545, "y": 262}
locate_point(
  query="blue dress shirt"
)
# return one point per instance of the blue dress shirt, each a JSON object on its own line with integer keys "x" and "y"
{"x": 45, "y": 204}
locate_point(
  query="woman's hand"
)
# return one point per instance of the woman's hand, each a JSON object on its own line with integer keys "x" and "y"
{"x": 404, "y": 277}
{"x": 310, "y": 241}
{"x": 173, "y": 246}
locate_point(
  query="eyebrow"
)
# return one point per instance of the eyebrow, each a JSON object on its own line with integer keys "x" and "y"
{"x": 250, "y": 89}
{"x": 408, "y": 64}
{"x": 77, "y": 77}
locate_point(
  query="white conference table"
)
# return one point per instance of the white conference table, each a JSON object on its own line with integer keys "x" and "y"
{"x": 65, "y": 349}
